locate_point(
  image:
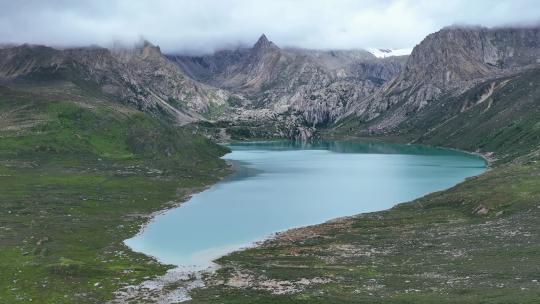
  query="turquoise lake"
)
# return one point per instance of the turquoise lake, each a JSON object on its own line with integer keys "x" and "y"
{"x": 282, "y": 185}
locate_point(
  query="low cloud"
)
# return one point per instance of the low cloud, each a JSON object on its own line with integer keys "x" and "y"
{"x": 203, "y": 26}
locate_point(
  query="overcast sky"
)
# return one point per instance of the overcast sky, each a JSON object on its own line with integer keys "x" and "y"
{"x": 206, "y": 25}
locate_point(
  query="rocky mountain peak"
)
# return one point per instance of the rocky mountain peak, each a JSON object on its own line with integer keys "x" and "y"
{"x": 264, "y": 44}
{"x": 147, "y": 49}
{"x": 447, "y": 63}
{"x": 456, "y": 54}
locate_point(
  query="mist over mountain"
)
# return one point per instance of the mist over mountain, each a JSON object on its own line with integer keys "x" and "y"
{"x": 112, "y": 112}
{"x": 277, "y": 91}
{"x": 206, "y": 26}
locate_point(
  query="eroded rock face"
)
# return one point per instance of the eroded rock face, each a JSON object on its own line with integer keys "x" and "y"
{"x": 142, "y": 76}
{"x": 314, "y": 86}
{"x": 460, "y": 54}
{"x": 449, "y": 62}
{"x": 297, "y": 90}
{"x": 294, "y": 92}
{"x": 306, "y": 88}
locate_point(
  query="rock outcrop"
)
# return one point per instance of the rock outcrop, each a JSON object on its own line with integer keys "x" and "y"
{"x": 291, "y": 92}
{"x": 314, "y": 86}
{"x": 447, "y": 63}
{"x": 142, "y": 76}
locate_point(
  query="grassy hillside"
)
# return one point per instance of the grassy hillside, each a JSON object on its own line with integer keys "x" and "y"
{"x": 505, "y": 122}
{"x": 500, "y": 116}
{"x": 78, "y": 175}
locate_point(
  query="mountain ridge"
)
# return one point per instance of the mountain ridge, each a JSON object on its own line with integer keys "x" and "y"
{"x": 449, "y": 62}
{"x": 141, "y": 76}
{"x": 295, "y": 92}
{"x": 307, "y": 88}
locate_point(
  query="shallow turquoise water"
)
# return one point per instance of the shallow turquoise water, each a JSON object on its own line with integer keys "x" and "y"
{"x": 281, "y": 185}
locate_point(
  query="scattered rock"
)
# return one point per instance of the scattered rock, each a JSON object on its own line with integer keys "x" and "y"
{"x": 480, "y": 210}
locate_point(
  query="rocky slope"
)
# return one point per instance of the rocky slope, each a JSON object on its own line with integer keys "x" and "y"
{"x": 268, "y": 91}
{"x": 499, "y": 117}
{"x": 447, "y": 63}
{"x": 313, "y": 90}
{"x": 141, "y": 76}
{"x": 309, "y": 87}
{"x": 293, "y": 89}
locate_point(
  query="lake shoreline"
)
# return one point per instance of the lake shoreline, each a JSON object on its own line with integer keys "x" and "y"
{"x": 233, "y": 169}
{"x": 155, "y": 287}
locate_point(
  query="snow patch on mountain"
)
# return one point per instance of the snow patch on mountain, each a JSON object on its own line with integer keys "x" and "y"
{"x": 383, "y": 53}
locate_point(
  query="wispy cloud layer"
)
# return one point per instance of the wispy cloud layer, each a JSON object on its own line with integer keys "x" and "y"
{"x": 207, "y": 25}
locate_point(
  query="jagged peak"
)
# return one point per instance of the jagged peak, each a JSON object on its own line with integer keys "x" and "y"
{"x": 150, "y": 46}
{"x": 263, "y": 39}
{"x": 148, "y": 49}
{"x": 264, "y": 43}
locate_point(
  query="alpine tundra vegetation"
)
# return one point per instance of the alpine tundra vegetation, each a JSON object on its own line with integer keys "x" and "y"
{"x": 100, "y": 138}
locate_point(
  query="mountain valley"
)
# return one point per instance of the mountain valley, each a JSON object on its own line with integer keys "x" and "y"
{"x": 94, "y": 141}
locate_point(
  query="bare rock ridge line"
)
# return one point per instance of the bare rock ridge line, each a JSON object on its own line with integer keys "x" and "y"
{"x": 141, "y": 76}
{"x": 321, "y": 89}
{"x": 288, "y": 92}
{"x": 296, "y": 89}
{"x": 448, "y": 63}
